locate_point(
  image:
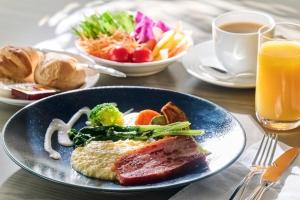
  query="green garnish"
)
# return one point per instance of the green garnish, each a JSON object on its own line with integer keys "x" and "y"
{"x": 143, "y": 132}
{"x": 106, "y": 23}
{"x": 106, "y": 114}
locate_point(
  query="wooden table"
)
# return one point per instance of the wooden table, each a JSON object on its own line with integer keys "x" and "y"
{"x": 19, "y": 22}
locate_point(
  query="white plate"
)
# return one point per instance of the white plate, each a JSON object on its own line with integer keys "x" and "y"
{"x": 90, "y": 81}
{"x": 203, "y": 53}
{"x": 134, "y": 69}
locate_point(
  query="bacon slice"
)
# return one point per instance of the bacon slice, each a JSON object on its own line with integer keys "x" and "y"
{"x": 158, "y": 160}
{"x": 173, "y": 113}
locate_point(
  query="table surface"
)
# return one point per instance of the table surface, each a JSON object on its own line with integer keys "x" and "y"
{"x": 29, "y": 22}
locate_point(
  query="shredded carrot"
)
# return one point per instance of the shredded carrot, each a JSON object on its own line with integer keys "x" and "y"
{"x": 150, "y": 44}
{"x": 145, "y": 117}
{"x": 101, "y": 46}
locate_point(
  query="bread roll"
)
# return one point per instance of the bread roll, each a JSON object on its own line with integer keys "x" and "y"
{"x": 18, "y": 63}
{"x": 59, "y": 71}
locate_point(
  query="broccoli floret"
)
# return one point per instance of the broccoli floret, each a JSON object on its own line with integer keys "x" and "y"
{"x": 106, "y": 114}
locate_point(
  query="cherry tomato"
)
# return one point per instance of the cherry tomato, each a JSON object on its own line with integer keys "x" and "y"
{"x": 141, "y": 55}
{"x": 119, "y": 54}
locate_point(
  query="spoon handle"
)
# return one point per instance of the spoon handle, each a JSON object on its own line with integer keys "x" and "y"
{"x": 224, "y": 75}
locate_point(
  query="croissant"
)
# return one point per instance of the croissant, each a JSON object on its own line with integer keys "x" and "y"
{"x": 18, "y": 63}
{"x": 59, "y": 71}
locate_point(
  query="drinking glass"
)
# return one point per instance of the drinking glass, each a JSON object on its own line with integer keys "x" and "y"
{"x": 277, "y": 98}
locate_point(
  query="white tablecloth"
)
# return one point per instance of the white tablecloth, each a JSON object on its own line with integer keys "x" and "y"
{"x": 220, "y": 186}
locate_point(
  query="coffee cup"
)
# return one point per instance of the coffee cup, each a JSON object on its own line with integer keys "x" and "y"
{"x": 235, "y": 36}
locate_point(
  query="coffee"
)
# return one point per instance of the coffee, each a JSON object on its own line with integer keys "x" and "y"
{"x": 235, "y": 35}
{"x": 241, "y": 27}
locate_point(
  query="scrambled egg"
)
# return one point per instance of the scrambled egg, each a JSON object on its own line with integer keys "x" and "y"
{"x": 97, "y": 158}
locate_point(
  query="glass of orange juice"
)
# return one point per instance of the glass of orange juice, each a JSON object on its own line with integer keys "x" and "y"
{"x": 277, "y": 98}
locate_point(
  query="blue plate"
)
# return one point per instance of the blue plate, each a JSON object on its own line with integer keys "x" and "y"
{"x": 24, "y": 134}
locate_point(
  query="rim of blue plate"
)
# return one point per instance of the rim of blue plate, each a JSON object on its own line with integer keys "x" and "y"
{"x": 123, "y": 190}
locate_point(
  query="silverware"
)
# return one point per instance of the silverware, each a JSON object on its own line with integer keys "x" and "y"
{"x": 95, "y": 67}
{"x": 224, "y": 75}
{"x": 104, "y": 70}
{"x": 261, "y": 161}
{"x": 274, "y": 172}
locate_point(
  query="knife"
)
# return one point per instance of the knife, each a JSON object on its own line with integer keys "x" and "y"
{"x": 274, "y": 172}
{"x": 104, "y": 70}
{"x": 95, "y": 67}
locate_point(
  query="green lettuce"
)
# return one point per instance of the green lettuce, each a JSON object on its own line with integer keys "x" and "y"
{"x": 106, "y": 23}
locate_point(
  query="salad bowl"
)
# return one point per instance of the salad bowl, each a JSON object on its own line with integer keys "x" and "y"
{"x": 131, "y": 42}
{"x": 135, "y": 69}
{"x": 24, "y": 133}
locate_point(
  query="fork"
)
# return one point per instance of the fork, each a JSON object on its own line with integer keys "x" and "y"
{"x": 259, "y": 191}
{"x": 263, "y": 159}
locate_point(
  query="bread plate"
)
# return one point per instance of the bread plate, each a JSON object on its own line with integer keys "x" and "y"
{"x": 90, "y": 81}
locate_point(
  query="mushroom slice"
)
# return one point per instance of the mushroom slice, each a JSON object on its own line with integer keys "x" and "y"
{"x": 172, "y": 113}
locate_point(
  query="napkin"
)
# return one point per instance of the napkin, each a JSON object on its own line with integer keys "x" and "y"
{"x": 221, "y": 185}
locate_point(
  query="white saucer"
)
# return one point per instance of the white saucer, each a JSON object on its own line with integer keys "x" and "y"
{"x": 204, "y": 54}
{"x": 90, "y": 81}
